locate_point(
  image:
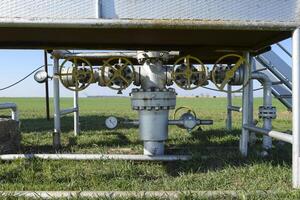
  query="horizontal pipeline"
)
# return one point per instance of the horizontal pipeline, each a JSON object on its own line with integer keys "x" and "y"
{"x": 165, "y": 158}
{"x": 14, "y": 110}
{"x": 68, "y": 111}
{"x": 235, "y": 108}
{"x": 274, "y": 134}
{"x": 173, "y": 122}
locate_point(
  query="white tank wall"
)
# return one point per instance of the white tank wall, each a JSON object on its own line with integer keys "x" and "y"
{"x": 71, "y": 9}
{"x": 253, "y": 10}
{"x": 261, "y": 10}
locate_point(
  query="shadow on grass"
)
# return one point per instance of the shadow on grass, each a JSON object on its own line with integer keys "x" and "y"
{"x": 212, "y": 155}
{"x": 211, "y": 149}
{"x": 87, "y": 123}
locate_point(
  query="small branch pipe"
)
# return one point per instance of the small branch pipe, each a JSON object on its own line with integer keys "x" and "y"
{"x": 173, "y": 122}
{"x": 235, "y": 108}
{"x": 165, "y": 158}
{"x": 68, "y": 111}
{"x": 275, "y": 134}
{"x": 14, "y": 110}
{"x": 133, "y": 194}
{"x": 267, "y": 101}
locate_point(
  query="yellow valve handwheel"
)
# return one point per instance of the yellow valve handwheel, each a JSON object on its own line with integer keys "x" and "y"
{"x": 76, "y": 78}
{"x": 187, "y": 109}
{"x": 118, "y": 73}
{"x": 229, "y": 74}
{"x": 189, "y": 71}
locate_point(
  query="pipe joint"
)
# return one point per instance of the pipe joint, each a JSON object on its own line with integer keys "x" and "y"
{"x": 267, "y": 112}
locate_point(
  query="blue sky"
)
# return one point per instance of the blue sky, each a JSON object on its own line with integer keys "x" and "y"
{"x": 18, "y": 63}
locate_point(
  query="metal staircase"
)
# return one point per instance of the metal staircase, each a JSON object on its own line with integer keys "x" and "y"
{"x": 279, "y": 72}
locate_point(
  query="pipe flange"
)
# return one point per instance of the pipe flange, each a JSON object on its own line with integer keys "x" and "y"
{"x": 267, "y": 112}
{"x": 153, "y": 99}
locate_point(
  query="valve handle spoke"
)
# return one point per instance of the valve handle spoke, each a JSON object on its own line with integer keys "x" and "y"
{"x": 228, "y": 74}
{"x": 117, "y": 73}
{"x": 77, "y": 74}
{"x": 189, "y": 62}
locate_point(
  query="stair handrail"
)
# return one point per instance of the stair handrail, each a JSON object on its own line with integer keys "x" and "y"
{"x": 284, "y": 49}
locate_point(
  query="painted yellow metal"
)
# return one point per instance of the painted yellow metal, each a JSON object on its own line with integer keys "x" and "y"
{"x": 229, "y": 74}
{"x": 77, "y": 74}
{"x": 188, "y": 61}
{"x": 117, "y": 72}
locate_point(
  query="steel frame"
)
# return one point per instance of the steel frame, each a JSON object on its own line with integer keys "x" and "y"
{"x": 58, "y": 112}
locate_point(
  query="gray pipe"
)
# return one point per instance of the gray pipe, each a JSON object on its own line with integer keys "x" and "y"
{"x": 267, "y": 101}
{"x": 96, "y": 157}
{"x": 275, "y": 134}
{"x": 172, "y": 122}
{"x": 57, "y": 114}
{"x": 14, "y": 110}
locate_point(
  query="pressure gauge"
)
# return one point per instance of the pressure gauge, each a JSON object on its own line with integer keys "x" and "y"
{"x": 111, "y": 122}
{"x": 40, "y": 76}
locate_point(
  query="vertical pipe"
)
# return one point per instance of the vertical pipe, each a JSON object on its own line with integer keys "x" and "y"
{"x": 47, "y": 87}
{"x": 296, "y": 107}
{"x": 229, "y": 111}
{"x": 267, "y": 123}
{"x": 56, "y": 98}
{"x": 76, "y": 114}
{"x": 252, "y": 65}
{"x": 15, "y": 115}
{"x": 251, "y": 99}
{"x": 246, "y": 101}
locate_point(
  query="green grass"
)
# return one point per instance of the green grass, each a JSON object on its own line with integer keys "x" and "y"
{"x": 216, "y": 163}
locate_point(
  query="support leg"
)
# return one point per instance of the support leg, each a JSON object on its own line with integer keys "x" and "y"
{"x": 251, "y": 101}
{"x": 56, "y": 97}
{"x": 244, "y": 140}
{"x": 296, "y": 107}
{"x": 76, "y": 115}
{"x": 229, "y": 111}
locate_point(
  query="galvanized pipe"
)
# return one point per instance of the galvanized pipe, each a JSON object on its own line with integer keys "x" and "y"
{"x": 296, "y": 107}
{"x": 244, "y": 140}
{"x": 76, "y": 114}
{"x": 172, "y": 122}
{"x": 63, "y": 54}
{"x": 267, "y": 101}
{"x": 96, "y": 157}
{"x": 214, "y": 194}
{"x": 229, "y": 105}
{"x": 56, "y": 99}
{"x": 234, "y": 108}
{"x": 67, "y": 111}
{"x": 274, "y": 134}
{"x": 14, "y": 110}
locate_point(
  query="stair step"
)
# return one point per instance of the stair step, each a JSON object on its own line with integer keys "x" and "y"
{"x": 285, "y": 96}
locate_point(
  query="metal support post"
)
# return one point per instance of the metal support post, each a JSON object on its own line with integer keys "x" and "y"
{"x": 229, "y": 111}
{"x": 56, "y": 98}
{"x": 296, "y": 107}
{"x": 244, "y": 140}
{"x": 76, "y": 114}
{"x": 252, "y": 138}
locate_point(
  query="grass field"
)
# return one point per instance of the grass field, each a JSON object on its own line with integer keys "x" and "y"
{"x": 216, "y": 163}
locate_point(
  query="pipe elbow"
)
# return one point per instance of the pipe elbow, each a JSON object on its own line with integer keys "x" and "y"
{"x": 262, "y": 78}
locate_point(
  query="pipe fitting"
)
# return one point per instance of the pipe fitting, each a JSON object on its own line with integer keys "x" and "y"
{"x": 267, "y": 112}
